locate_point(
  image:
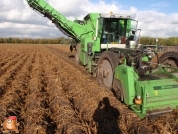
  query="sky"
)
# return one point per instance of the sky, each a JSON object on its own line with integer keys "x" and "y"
{"x": 156, "y": 18}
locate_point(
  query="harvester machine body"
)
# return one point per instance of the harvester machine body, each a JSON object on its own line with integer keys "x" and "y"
{"x": 107, "y": 46}
{"x": 95, "y": 33}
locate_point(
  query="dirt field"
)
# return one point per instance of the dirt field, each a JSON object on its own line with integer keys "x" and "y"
{"x": 49, "y": 93}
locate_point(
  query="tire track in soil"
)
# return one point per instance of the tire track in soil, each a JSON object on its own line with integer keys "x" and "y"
{"x": 35, "y": 109}
{"x": 50, "y": 124}
{"x": 31, "y": 106}
{"x": 63, "y": 114}
{"x": 12, "y": 101}
{"x": 23, "y": 87}
{"x": 128, "y": 121}
{"x": 47, "y": 77}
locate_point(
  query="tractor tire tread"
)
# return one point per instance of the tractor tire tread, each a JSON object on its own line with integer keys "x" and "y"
{"x": 169, "y": 54}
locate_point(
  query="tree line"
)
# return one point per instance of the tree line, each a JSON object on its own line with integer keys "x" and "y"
{"x": 62, "y": 40}
{"x": 162, "y": 41}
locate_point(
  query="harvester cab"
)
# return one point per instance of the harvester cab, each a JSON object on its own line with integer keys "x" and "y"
{"x": 107, "y": 46}
{"x": 118, "y": 31}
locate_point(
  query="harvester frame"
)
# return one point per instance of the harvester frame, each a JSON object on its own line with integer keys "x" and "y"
{"x": 132, "y": 71}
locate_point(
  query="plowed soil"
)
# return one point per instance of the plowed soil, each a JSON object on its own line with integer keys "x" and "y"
{"x": 49, "y": 93}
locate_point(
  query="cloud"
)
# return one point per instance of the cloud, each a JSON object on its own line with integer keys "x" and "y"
{"x": 70, "y": 8}
{"x": 160, "y": 4}
{"x": 9, "y": 29}
{"x": 17, "y": 19}
{"x": 157, "y": 24}
{"x": 174, "y": 18}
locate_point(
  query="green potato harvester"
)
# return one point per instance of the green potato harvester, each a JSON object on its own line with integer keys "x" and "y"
{"x": 107, "y": 45}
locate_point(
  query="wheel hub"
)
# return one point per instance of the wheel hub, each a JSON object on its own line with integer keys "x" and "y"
{"x": 105, "y": 73}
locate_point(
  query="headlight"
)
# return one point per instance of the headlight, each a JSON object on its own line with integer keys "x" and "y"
{"x": 138, "y": 100}
{"x": 138, "y": 97}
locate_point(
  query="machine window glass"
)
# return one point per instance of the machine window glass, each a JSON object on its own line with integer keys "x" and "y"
{"x": 110, "y": 31}
{"x": 133, "y": 27}
{"x": 115, "y": 30}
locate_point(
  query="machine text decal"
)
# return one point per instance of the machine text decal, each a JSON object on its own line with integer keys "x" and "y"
{"x": 165, "y": 87}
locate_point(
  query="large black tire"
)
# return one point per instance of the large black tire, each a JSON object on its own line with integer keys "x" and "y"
{"x": 169, "y": 58}
{"x": 118, "y": 90}
{"x": 106, "y": 65}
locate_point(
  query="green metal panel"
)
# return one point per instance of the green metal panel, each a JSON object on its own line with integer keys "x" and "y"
{"x": 96, "y": 45}
{"x": 84, "y": 52}
{"x": 145, "y": 58}
{"x": 126, "y": 75}
{"x": 160, "y": 94}
{"x": 157, "y": 95}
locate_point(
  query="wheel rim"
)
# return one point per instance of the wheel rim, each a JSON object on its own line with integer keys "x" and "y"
{"x": 106, "y": 73}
